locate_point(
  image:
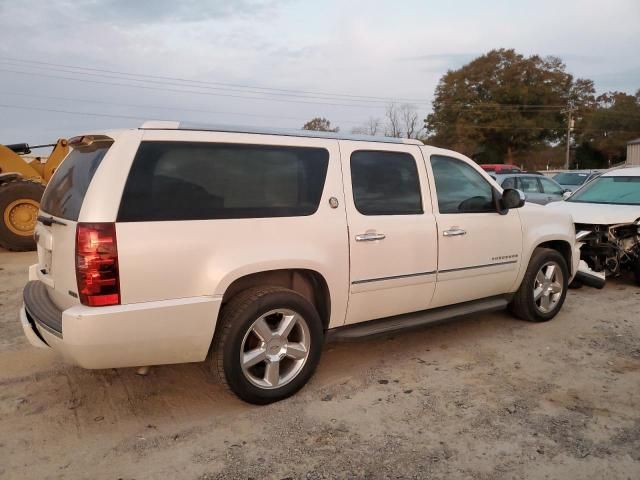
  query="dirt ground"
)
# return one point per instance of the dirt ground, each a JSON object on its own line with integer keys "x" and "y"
{"x": 487, "y": 397}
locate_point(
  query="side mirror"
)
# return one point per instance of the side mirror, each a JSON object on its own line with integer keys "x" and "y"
{"x": 512, "y": 198}
{"x": 566, "y": 194}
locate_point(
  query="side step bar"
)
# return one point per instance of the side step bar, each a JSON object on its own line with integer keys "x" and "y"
{"x": 417, "y": 319}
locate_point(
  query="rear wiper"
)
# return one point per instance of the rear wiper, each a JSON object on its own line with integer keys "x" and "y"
{"x": 48, "y": 221}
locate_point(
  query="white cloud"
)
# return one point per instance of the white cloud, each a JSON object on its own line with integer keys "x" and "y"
{"x": 397, "y": 49}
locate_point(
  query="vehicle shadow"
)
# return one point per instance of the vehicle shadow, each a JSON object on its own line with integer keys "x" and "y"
{"x": 186, "y": 392}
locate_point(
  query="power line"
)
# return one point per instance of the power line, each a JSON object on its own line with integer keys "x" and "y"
{"x": 206, "y": 88}
{"x": 224, "y": 84}
{"x": 161, "y": 107}
{"x": 106, "y": 115}
{"x": 453, "y": 126}
{"x": 303, "y": 94}
{"x": 145, "y": 87}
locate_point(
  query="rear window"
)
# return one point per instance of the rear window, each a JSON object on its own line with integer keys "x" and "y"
{"x": 571, "y": 178}
{"x": 203, "y": 181}
{"x": 66, "y": 190}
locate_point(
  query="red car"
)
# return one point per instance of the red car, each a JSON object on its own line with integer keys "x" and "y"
{"x": 500, "y": 168}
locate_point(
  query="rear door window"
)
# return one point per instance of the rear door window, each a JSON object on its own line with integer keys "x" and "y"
{"x": 68, "y": 186}
{"x": 529, "y": 185}
{"x": 203, "y": 181}
{"x": 509, "y": 183}
{"x": 385, "y": 183}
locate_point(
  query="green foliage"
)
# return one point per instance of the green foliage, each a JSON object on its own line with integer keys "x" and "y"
{"x": 503, "y": 103}
{"x": 587, "y": 156}
{"x": 607, "y": 127}
{"x": 319, "y": 124}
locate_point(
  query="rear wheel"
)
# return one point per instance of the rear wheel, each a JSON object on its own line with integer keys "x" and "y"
{"x": 267, "y": 345}
{"x": 19, "y": 205}
{"x": 544, "y": 287}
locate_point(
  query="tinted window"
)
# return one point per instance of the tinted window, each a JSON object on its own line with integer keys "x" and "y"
{"x": 571, "y": 178}
{"x": 509, "y": 183}
{"x": 528, "y": 185}
{"x": 550, "y": 187}
{"x": 459, "y": 187}
{"x": 200, "y": 181}
{"x": 385, "y": 183}
{"x": 66, "y": 190}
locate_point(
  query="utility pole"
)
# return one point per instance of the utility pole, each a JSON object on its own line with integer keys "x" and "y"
{"x": 570, "y": 124}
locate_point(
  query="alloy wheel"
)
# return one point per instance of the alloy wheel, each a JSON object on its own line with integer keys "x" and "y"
{"x": 548, "y": 287}
{"x": 275, "y": 348}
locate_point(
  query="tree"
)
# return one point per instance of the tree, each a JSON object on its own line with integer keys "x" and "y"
{"x": 604, "y": 131}
{"x": 320, "y": 124}
{"x": 503, "y": 103}
{"x": 373, "y": 126}
{"x": 402, "y": 121}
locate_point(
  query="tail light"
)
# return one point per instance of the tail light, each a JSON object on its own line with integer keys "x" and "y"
{"x": 97, "y": 264}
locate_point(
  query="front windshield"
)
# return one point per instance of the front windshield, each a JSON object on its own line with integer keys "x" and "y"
{"x": 609, "y": 190}
{"x": 571, "y": 178}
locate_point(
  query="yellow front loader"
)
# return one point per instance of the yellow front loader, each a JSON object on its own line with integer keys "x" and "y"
{"x": 21, "y": 187}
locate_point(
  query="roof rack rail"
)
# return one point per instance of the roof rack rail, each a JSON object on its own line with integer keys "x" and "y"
{"x": 171, "y": 125}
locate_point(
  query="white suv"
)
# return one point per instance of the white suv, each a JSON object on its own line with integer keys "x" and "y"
{"x": 247, "y": 249}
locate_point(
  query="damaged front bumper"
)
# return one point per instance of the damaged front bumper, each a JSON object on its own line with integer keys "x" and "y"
{"x": 589, "y": 277}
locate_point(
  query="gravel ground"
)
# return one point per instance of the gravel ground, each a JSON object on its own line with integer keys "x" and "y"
{"x": 487, "y": 397}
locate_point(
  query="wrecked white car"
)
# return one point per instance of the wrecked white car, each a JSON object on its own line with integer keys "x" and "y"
{"x": 606, "y": 213}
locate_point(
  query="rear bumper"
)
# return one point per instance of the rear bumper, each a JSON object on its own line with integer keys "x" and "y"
{"x": 151, "y": 333}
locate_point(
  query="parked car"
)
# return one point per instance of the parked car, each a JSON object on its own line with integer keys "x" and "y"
{"x": 537, "y": 188}
{"x": 574, "y": 179}
{"x": 248, "y": 248}
{"x": 498, "y": 168}
{"x": 606, "y": 212}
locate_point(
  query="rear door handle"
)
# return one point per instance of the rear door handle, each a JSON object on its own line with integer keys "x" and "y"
{"x": 370, "y": 237}
{"x": 454, "y": 232}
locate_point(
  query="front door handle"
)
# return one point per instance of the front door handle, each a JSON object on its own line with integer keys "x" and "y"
{"x": 370, "y": 237}
{"x": 454, "y": 232}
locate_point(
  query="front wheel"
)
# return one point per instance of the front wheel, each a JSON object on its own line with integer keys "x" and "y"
{"x": 267, "y": 345}
{"x": 544, "y": 287}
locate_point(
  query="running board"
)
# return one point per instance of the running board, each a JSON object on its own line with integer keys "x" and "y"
{"x": 416, "y": 319}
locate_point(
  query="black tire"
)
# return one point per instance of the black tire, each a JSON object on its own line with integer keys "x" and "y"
{"x": 9, "y": 193}
{"x": 237, "y": 318}
{"x": 523, "y": 304}
{"x": 636, "y": 271}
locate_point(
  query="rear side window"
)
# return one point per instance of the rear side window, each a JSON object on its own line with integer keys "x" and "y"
{"x": 529, "y": 185}
{"x": 550, "y": 187}
{"x": 203, "y": 181}
{"x": 509, "y": 183}
{"x": 68, "y": 186}
{"x": 385, "y": 183}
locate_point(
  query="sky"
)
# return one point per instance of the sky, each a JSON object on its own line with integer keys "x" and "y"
{"x": 70, "y": 67}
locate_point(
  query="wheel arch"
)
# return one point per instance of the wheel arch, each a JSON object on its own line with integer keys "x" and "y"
{"x": 563, "y": 247}
{"x": 8, "y": 177}
{"x": 309, "y": 283}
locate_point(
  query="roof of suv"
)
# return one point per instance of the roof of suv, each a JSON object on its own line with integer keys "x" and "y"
{"x": 164, "y": 125}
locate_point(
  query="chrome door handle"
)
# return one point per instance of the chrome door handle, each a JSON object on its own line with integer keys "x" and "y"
{"x": 454, "y": 232}
{"x": 370, "y": 237}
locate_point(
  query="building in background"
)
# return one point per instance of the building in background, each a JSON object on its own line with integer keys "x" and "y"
{"x": 633, "y": 152}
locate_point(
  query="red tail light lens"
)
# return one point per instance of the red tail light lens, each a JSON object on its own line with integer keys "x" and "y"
{"x": 97, "y": 264}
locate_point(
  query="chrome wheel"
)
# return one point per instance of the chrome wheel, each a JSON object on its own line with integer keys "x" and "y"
{"x": 548, "y": 287}
{"x": 275, "y": 348}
